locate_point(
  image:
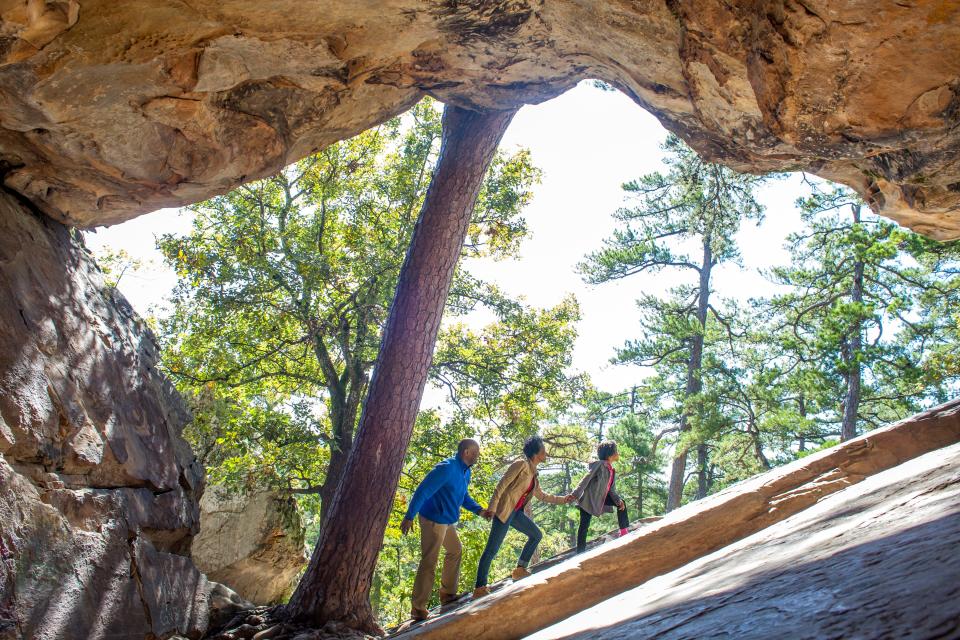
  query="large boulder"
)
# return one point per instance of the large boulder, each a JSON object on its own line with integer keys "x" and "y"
{"x": 113, "y": 109}
{"x": 252, "y": 542}
{"x": 98, "y": 491}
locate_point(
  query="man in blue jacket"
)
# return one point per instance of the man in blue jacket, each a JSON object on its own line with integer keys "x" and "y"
{"x": 437, "y": 502}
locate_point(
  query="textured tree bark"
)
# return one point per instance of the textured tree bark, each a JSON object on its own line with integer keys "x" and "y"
{"x": 678, "y": 469}
{"x": 703, "y": 484}
{"x": 336, "y": 585}
{"x": 851, "y": 350}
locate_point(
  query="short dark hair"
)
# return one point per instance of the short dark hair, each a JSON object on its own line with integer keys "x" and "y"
{"x": 532, "y": 446}
{"x": 465, "y": 444}
{"x": 606, "y": 449}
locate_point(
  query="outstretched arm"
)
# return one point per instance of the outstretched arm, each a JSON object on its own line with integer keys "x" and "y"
{"x": 548, "y": 498}
{"x": 470, "y": 504}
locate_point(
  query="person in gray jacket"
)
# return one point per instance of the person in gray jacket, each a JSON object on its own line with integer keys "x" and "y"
{"x": 596, "y": 493}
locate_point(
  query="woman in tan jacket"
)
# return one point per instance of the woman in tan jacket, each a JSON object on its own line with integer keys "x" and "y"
{"x": 514, "y": 490}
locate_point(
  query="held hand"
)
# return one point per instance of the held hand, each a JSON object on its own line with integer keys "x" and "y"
{"x": 569, "y": 498}
{"x": 405, "y": 526}
{"x": 621, "y": 505}
{"x": 486, "y": 514}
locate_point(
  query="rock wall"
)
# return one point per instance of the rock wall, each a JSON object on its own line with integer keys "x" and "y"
{"x": 98, "y": 491}
{"x": 253, "y": 543}
{"x": 113, "y": 109}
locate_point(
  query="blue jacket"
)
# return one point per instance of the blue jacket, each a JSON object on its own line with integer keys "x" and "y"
{"x": 443, "y": 492}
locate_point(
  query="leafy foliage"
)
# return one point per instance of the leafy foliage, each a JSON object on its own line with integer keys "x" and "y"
{"x": 867, "y": 307}
{"x": 284, "y": 287}
{"x": 285, "y": 284}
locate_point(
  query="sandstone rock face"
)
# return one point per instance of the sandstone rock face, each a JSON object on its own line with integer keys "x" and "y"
{"x": 877, "y": 560}
{"x": 113, "y": 109}
{"x": 252, "y": 543}
{"x": 709, "y": 525}
{"x": 98, "y": 491}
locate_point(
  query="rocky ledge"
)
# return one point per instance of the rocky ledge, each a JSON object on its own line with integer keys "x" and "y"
{"x": 113, "y": 109}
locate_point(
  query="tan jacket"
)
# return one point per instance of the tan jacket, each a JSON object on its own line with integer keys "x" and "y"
{"x": 512, "y": 485}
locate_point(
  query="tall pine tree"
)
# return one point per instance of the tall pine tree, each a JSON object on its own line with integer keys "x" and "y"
{"x": 685, "y": 222}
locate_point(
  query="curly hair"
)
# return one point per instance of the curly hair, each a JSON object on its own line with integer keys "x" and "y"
{"x": 606, "y": 449}
{"x": 532, "y": 446}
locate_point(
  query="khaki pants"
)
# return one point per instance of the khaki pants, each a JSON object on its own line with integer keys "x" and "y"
{"x": 434, "y": 535}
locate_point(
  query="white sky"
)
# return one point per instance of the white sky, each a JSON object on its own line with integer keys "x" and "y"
{"x": 587, "y": 143}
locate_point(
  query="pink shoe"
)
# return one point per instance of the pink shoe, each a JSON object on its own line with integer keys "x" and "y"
{"x": 623, "y": 532}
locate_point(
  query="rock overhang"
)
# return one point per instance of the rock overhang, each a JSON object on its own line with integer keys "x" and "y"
{"x": 110, "y": 111}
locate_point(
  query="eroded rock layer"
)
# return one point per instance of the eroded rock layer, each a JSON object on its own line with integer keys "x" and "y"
{"x": 98, "y": 491}
{"x": 108, "y": 110}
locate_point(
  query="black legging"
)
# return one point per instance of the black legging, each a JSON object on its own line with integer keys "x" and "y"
{"x": 585, "y": 517}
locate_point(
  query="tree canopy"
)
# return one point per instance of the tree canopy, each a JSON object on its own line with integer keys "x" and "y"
{"x": 284, "y": 287}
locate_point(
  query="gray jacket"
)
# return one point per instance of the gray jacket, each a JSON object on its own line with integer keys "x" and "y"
{"x": 591, "y": 493}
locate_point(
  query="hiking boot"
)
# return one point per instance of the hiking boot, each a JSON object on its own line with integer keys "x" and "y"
{"x": 519, "y": 573}
{"x": 419, "y": 614}
{"x": 479, "y": 592}
{"x": 447, "y": 598}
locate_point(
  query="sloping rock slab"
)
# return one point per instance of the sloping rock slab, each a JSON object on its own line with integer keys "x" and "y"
{"x": 877, "y": 560}
{"x": 694, "y": 531}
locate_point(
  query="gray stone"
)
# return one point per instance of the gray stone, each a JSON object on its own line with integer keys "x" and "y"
{"x": 253, "y": 543}
{"x": 225, "y": 604}
{"x": 98, "y": 490}
{"x": 876, "y": 560}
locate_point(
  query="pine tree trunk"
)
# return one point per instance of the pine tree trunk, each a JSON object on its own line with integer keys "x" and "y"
{"x": 336, "y": 585}
{"x": 639, "y": 473}
{"x": 802, "y": 408}
{"x": 851, "y": 403}
{"x": 703, "y": 486}
{"x": 678, "y": 471}
{"x": 694, "y": 384}
{"x": 754, "y": 431}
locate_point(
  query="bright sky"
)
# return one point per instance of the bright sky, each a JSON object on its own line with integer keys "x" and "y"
{"x": 587, "y": 142}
